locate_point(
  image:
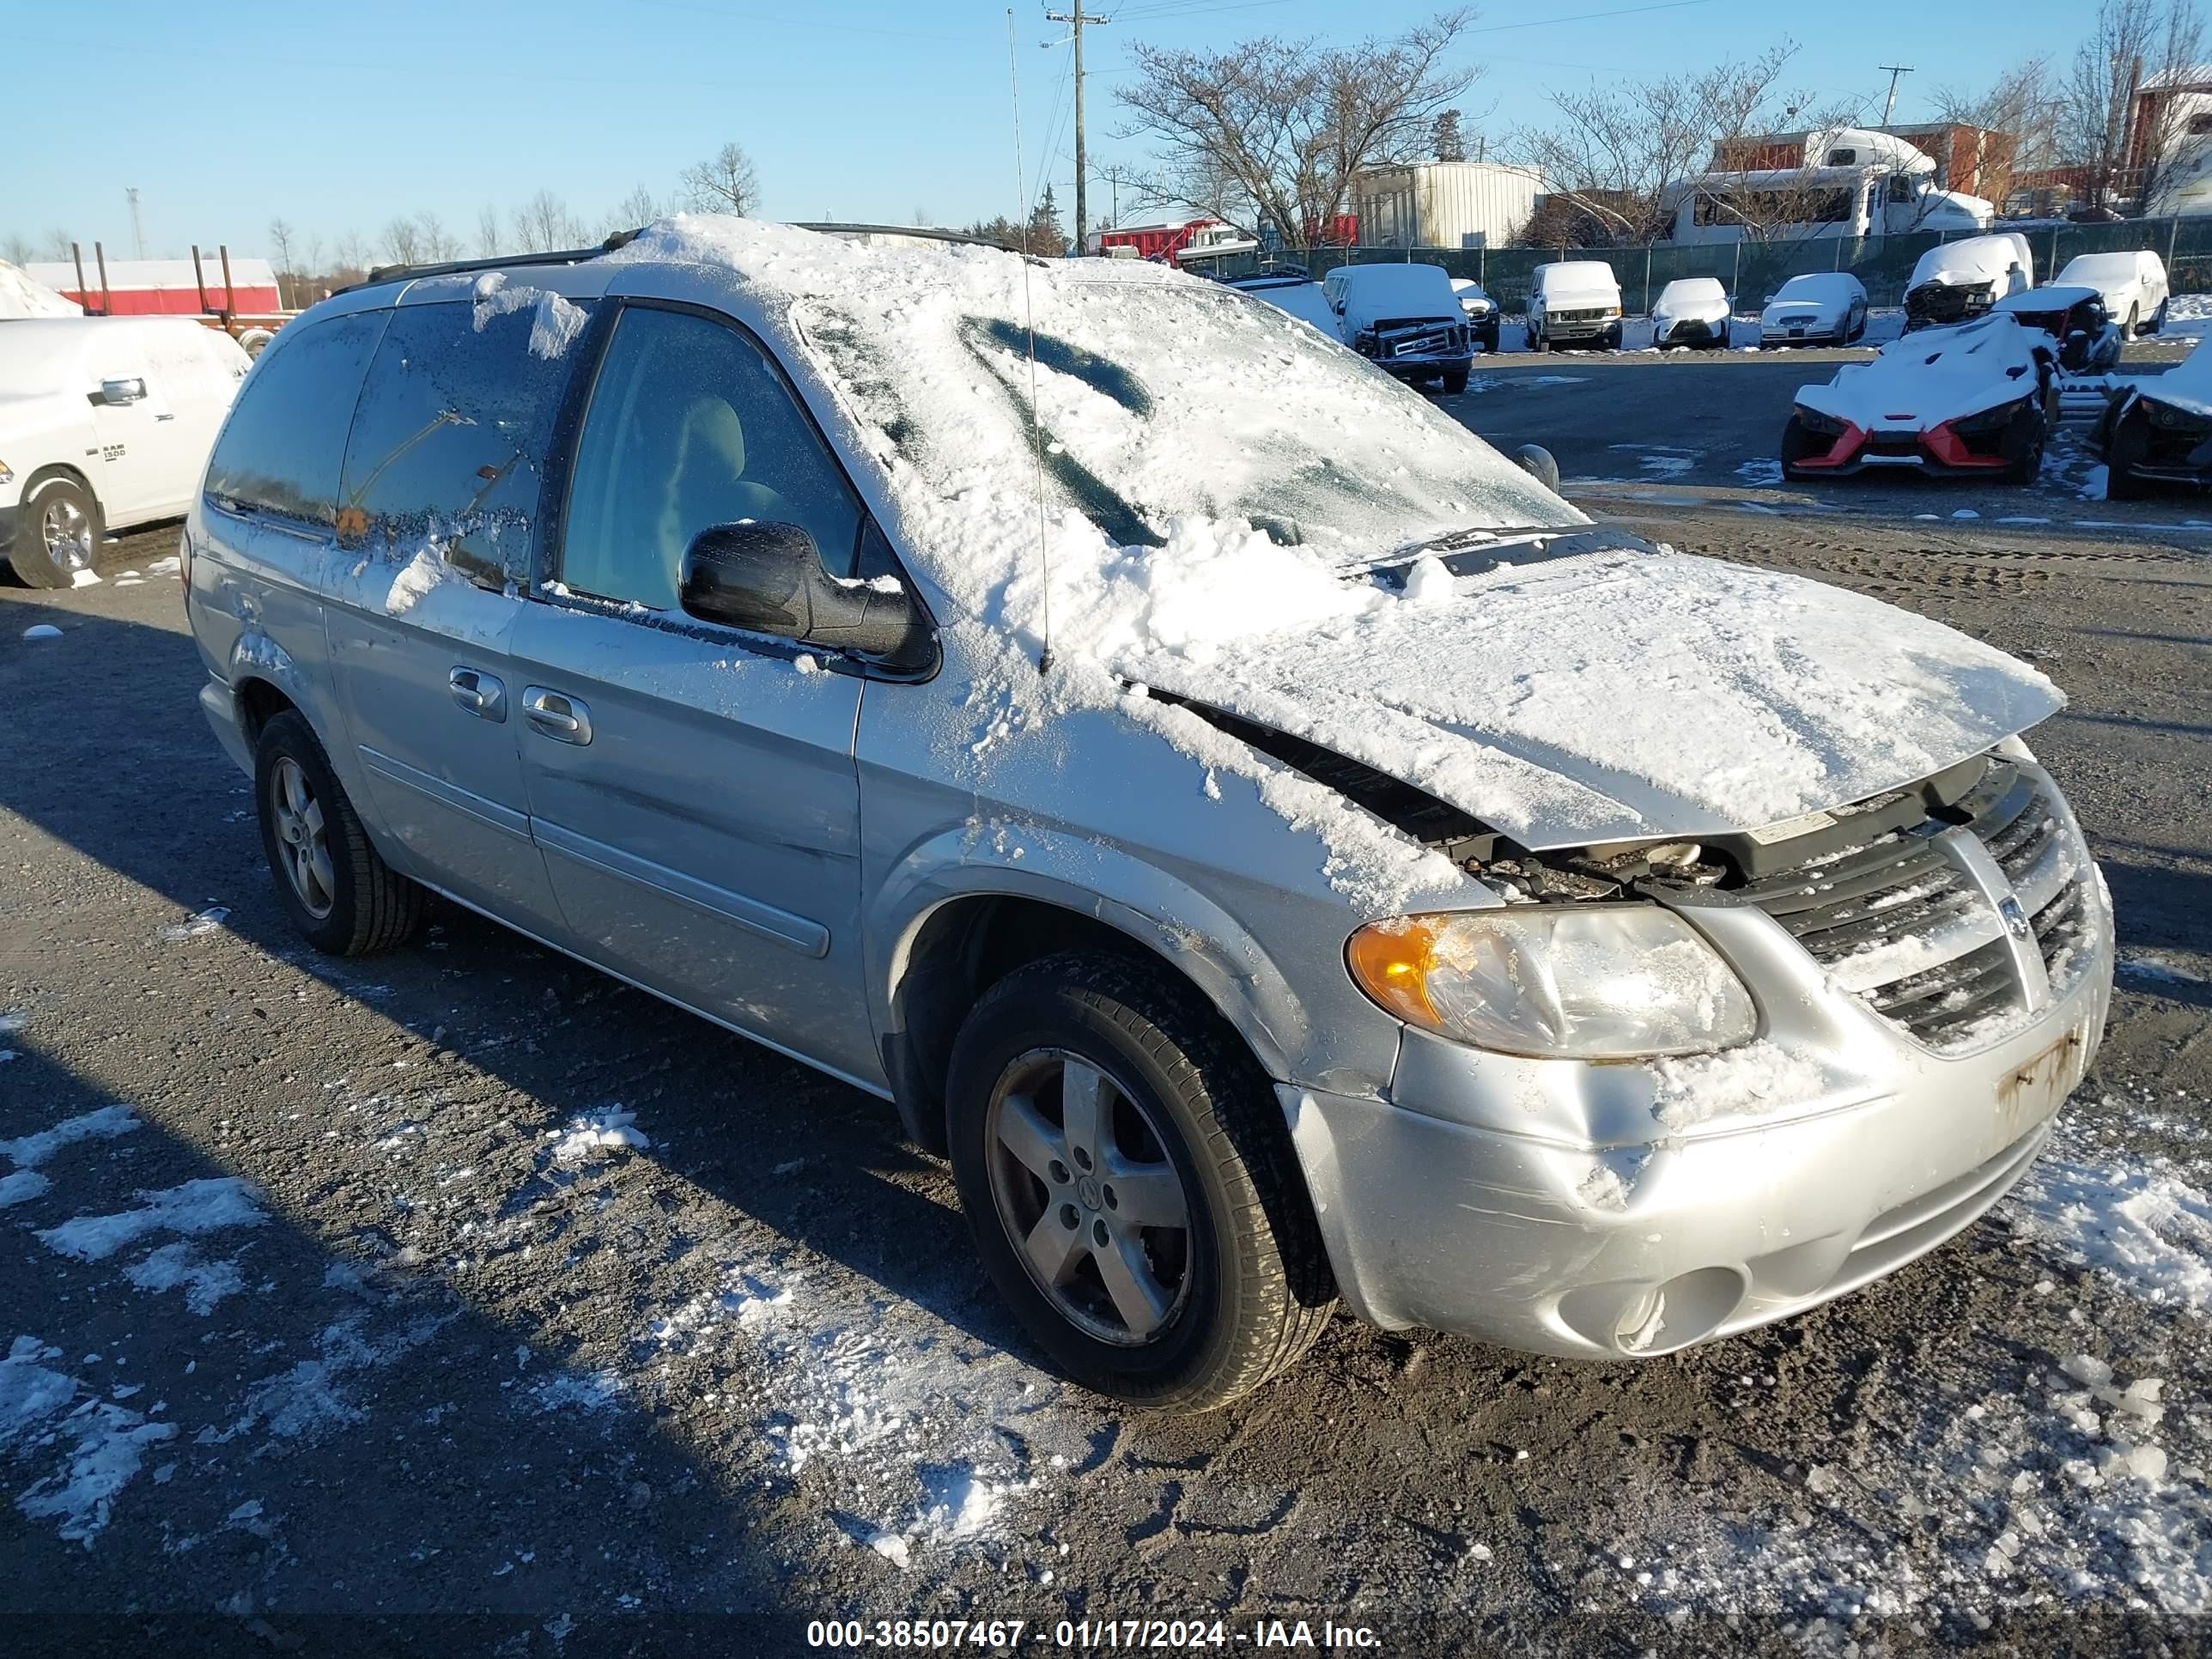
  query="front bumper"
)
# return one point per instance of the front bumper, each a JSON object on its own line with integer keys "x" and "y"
{"x": 1424, "y": 368}
{"x": 1934, "y": 449}
{"x": 1479, "y": 1212}
{"x": 1783, "y": 335}
{"x": 1689, "y": 331}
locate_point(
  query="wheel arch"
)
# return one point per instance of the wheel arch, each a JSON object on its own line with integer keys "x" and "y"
{"x": 962, "y": 916}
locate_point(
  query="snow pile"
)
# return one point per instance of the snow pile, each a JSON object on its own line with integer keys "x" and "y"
{"x": 179, "y": 1266}
{"x": 589, "y": 1137}
{"x": 2138, "y": 1222}
{"x": 197, "y": 926}
{"x": 42, "y": 631}
{"x": 555, "y": 324}
{"x": 21, "y": 296}
{"x": 1757, "y": 1077}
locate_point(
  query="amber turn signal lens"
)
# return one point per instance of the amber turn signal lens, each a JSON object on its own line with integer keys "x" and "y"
{"x": 1391, "y": 962}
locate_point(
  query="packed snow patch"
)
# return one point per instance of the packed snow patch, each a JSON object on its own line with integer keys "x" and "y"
{"x": 197, "y": 926}
{"x": 102, "y": 1444}
{"x": 2140, "y": 1222}
{"x": 193, "y": 1208}
{"x": 1755, "y": 1078}
{"x": 179, "y": 1266}
{"x": 28, "y": 1152}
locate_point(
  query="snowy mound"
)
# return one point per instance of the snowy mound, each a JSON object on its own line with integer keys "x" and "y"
{"x": 22, "y": 297}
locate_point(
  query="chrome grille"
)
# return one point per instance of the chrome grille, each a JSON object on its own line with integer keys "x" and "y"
{"x": 1930, "y": 950}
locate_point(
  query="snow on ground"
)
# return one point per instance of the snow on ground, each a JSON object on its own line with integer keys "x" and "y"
{"x": 2138, "y": 1221}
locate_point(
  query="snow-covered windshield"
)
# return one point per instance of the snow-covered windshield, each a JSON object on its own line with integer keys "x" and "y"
{"x": 1685, "y": 292}
{"x": 2100, "y": 270}
{"x": 1817, "y": 288}
{"x": 1162, "y": 398}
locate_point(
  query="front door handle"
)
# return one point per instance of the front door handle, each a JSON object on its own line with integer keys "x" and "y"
{"x": 564, "y": 718}
{"x": 480, "y": 693}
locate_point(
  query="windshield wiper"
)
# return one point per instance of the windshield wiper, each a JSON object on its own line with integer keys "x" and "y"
{"x": 1475, "y": 552}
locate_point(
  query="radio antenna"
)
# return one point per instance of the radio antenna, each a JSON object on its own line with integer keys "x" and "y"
{"x": 1029, "y": 311}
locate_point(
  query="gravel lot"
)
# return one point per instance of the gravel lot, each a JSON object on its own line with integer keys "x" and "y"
{"x": 331, "y": 1335}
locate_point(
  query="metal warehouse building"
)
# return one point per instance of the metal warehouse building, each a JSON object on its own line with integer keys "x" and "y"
{"x": 1445, "y": 204}
{"x": 139, "y": 288}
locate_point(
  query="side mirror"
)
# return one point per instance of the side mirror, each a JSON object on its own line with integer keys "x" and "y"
{"x": 1536, "y": 461}
{"x": 119, "y": 392}
{"x": 767, "y": 579}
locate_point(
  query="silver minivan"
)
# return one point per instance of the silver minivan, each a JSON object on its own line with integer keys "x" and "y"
{"x": 1278, "y": 852}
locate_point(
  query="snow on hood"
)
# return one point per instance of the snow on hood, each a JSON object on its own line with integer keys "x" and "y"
{"x": 1566, "y": 282}
{"x": 1218, "y": 479}
{"x": 1375, "y": 292}
{"x": 1621, "y": 694}
{"x": 1818, "y": 293}
{"x": 1691, "y": 299}
{"x": 2186, "y": 386}
{"x": 1934, "y": 375}
{"x": 22, "y": 296}
{"x": 1975, "y": 260}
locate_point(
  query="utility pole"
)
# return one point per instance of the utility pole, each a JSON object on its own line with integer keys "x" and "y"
{"x": 1076, "y": 19}
{"x": 1890, "y": 103}
{"x": 138, "y": 228}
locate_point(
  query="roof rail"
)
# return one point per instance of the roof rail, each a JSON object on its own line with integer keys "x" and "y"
{"x": 378, "y": 275}
{"x": 922, "y": 233}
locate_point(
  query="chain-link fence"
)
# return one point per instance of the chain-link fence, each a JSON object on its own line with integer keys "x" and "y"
{"x": 1751, "y": 271}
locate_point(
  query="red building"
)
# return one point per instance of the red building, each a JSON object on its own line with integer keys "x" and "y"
{"x": 145, "y": 288}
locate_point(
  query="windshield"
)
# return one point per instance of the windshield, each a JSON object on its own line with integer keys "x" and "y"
{"x": 1814, "y": 289}
{"x": 1162, "y": 398}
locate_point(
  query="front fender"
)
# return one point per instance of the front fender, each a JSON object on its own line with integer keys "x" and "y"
{"x": 1011, "y": 859}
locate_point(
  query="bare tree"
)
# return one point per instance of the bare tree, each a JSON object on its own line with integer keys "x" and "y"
{"x": 16, "y": 249}
{"x": 2018, "y": 116}
{"x": 438, "y": 244}
{"x": 352, "y": 255}
{"x": 544, "y": 223}
{"x": 280, "y": 244}
{"x": 726, "y": 182}
{"x": 2120, "y": 120}
{"x": 921, "y": 217}
{"x": 638, "y": 209}
{"x": 1272, "y": 133}
{"x": 57, "y": 243}
{"x": 402, "y": 242}
{"x": 1614, "y": 151}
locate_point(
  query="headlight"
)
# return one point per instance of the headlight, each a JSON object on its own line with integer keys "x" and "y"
{"x": 1813, "y": 420}
{"x": 1578, "y": 981}
{"x": 1989, "y": 420}
{"x": 7, "y": 473}
{"x": 2166, "y": 416}
{"x": 1364, "y": 343}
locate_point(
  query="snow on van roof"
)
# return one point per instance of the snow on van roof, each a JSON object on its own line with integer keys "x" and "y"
{"x": 1217, "y": 475}
{"x": 1577, "y": 277}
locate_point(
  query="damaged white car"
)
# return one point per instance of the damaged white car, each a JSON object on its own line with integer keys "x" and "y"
{"x": 1955, "y": 282}
{"x": 2159, "y": 431}
{"x": 1979, "y": 399}
{"x": 1283, "y": 854}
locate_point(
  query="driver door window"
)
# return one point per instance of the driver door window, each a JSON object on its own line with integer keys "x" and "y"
{"x": 691, "y": 425}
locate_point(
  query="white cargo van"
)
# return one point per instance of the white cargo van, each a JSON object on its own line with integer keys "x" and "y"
{"x": 1574, "y": 303}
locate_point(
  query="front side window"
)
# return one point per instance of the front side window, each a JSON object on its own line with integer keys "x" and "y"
{"x": 691, "y": 426}
{"x": 450, "y": 436}
{"x": 280, "y": 450}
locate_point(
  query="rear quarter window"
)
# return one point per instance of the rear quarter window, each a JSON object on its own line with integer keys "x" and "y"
{"x": 450, "y": 439}
{"x": 282, "y": 449}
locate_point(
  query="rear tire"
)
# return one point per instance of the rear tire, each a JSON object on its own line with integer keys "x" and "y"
{"x": 1536, "y": 340}
{"x": 2135, "y": 323}
{"x": 2129, "y": 443}
{"x": 340, "y": 894}
{"x": 1236, "y": 1287}
{"x": 59, "y": 533}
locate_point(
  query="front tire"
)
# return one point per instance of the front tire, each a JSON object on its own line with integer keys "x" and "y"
{"x": 58, "y": 533}
{"x": 2129, "y": 443}
{"x": 1536, "y": 340}
{"x": 1131, "y": 1184}
{"x": 2023, "y": 444}
{"x": 340, "y": 894}
{"x": 1798, "y": 442}
{"x": 1454, "y": 381}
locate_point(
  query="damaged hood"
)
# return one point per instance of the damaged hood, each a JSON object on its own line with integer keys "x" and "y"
{"x": 1622, "y": 693}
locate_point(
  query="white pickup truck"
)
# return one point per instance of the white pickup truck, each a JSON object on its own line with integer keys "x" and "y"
{"x": 105, "y": 423}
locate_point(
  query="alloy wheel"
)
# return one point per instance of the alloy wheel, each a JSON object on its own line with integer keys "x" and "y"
{"x": 304, "y": 853}
{"x": 65, "y": 530}
{"x": 1085, "y": 1189}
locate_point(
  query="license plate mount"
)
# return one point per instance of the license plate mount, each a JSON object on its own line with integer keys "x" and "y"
{"x": 2033, "y": 1091}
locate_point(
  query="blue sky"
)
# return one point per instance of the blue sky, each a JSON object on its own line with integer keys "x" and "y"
{"x": 341, "y": 118}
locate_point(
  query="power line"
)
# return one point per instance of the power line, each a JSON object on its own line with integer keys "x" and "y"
{"x": 1890, "y": 103}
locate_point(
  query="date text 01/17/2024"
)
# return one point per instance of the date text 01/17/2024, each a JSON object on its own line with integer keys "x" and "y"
{"x": 1162, "y": 1635}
